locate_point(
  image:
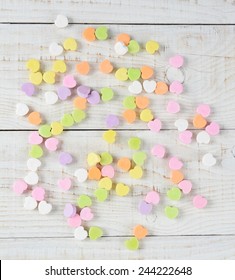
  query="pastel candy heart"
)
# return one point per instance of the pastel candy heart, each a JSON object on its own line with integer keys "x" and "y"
{"x": 83, "y": 91}
{"x": 81, "y": 175}
{"x": 21, "y": 109}
{"x": 199, "y": 201}
{"x": 173, "y": 107}
{"x": 63, "y": 92}
{"x": 146, "y": 115}
{"x": 203, "y": 137}
{"x": 33, "y": 65}
{"x": 155, "y": 125}
{"x": 120, "y": 48}
{"x": 176, "y": 61}
{"x": 174, "y": 193}
{"x": 89, "y": 34}
{"x": 121, "y": 74}
{"x": 101, "y": 33}
{"x": 59, "y": 66}
{"x": 45, "y": 130}
{"x": 38, "y": 193}
{"x": 213, "y": 128}
{"x": 35, "y": 78}
{"x": 36, "y": 151}
{"x": 93, "y": 159}
{"x": 49, "y": 77}
{"x": 86, "y": 214}
{"x": 135, "y": 87}
{"x": 65, "y": 158}
{"x": 112, "y": 121}
{"x": 129, "y": 102}
{"x": 67, "y": 120}
{"x": 94, "y": 97}
{"x": 19, "y": 186}
{"x": 149, "y": 86}
{"x": 74, "y": 221}
{"x": 140, "y": 232}
{"x": 199, "y": 121}
{"x": 186, "y": 137}
{"x": 121, "y": 189}
{"x": 146, "y": 72}
{"x": 139, "y": 158}
{"x": 106, "y": 94}
{"x": 124, "y": 163}
{"x": 84, "y": 201}
{"x": 94, "y": 173}
{"x": 204, "y": 110}
{"x": 185, "y": 186}
{"x": 176, "y": 87}
{"x": 65, "y": 184}
{"x": 56, "y": 128}
{"x": 69, "y": 210}
{"x": 158, "y": 151}
{"x": 31, "y": 178}
{"x": 95, "y": 233}
{"x": 55, "y": 49}
{"x": 106, "y": 66}
{"x": 30, "y": 203}
{"x": 51, "y": 97}
{"x": 105, "y": 183}
{"x": 70, "y": 44}
{"x": 208, "y": 160}
{"x": 133, "y": 74}
{"x": 110, "y": 136}
{"x": 78, "y": 115}
{"x": 174, "y": 74}
{"x": 108, "y": 171}
{"x": 123, "y": 37}
{"x": 69, "y": 81}
{"x": 176, "y": 176}
{"x": 52, "y": 144}
{"x": 175, "y": 163}
{"x": 80, "y": 233}
{"x": 145, "y": 208}
{"x": 61, "y": 21}
{"x": 152, "y": 197}
{"x": 101, "y": 194}
{"x": 171, "y": 212}
{"x": 181, "y": 124}
{"x": 28, "y": 89}
{"x": 34, "y": 138}
{"x": 136, "y": 172}
{"x": 134, "y": 143}
{"x": 152, "y": 46}
{"x": 33, "y": 164}
{"x": 44, "y": 207}
{"x": 35, "y": 118}
{"x": 133, "y": 47}
{"x": 106, "y": 158}
{"x": 132, "y": 244}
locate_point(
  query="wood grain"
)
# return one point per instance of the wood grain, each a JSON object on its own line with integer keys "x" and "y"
{"x": 119, "y": 11}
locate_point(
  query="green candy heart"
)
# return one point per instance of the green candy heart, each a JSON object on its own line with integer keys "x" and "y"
{"x": 174, "y": 193}
{"x": 101, "y": 33}
{"x": 101, "y": 194}
{"x": 133, "y": 74}
{"x": 106, "y": 94}
{"x": 78, "y": 115}
{"x": 134, "y": 143}
{"x": 133, "y": 46}
{"x": 139, "y": 158}
{"x": 95, "y": 233}
{"x": 106, "y": 158}
{"x": 67, "y": 120}
{"x": 45, "y": 130}
{"x": 36, "y": 151}
{"x": 129, "y": 102}
{"x": 171, "y": 212}
{"x": 84, "y": 201}
{"x": 132, "y": 243}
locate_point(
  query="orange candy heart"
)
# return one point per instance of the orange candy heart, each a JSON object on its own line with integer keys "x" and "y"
{"x": 176, "y": 176}
{"x": 106, "y": 66}
{"x": 94, "y": 173}
{"x": 199, "y": 121}
{"x": 140, "y": 231}
{"x": 123, "y": 37}
{"x": 129, "y": 115}
{"x": 83, "y": 68}
{"x": 146, "y": 72}
{"x": 161, "y": 88}
{"x": 124, "y": 164}
{"x": 34, "y": 118}
{"x": 89, "y": 34}
{"x": 142, "y": 102}
{"x": 80, "y": 103}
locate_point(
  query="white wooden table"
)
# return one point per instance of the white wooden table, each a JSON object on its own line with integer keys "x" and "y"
{"x": 203, "y": 32}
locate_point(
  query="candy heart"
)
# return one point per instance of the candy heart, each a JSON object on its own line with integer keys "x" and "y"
{"x": 74, "y": 221}
{"x": 133, "y": 47}
{"x": 134, "y": 74}
{"x": 199, "y": 201}
{"x": 94, "y": 173}
{"x": 110, "y": 136}
{"x": 65, "y": 184}
{"x": 28, "y": 89}
{"x": 152, "y": 197}
{"x": 38, "y": 193}
{"x": 129, "y": 102}
{"x": 30, "y": 203}
{"x": 203, "y": 137}
{"x": 112, "y": 121}
{"x": 83, "y": 91}
{"x": 52, "y": 144}
{"x": 176, "y": 176}
{"x": 44, "y": 208}
{"x": 67, "y": 120}
{"x": 70, "y": 44}
{"x": 134, "y": 143}
{"x": 61, "y": 21}
{"x": 84, "y": 201}
{"x": 21, "y": 109}
{"x": 34, "y": 138}
{"x": 51, "y": 97}
{"x": 80, "y": 233}
{"x": 140, "y": 232}
{"x": 175, "y": 163}
{"x": 101, "y": 33}
{"x": 55, "y": 49}
{"x": 124, "y": 163}
{"x": 63, "y": 92}
{"x": 149, "y": 86}
{"x": 145, "y": 208}
{"x": 106, "y": 158}
{"x": 35, "y": 78}
{"x": 69, "y": 81}
{"x": 89, "y": 34}
{"x": 181, "y": 124}
{"x": 176, "y": 61}
{"x": 213, "y": 128}
{"x": 81, "y": 175}
{"x": 121, "y": 189}
{"x": 199, "y": 121}
{"x": 171, "y": 212}
{"x": 185, "y": 186}
{"x": 161, "y": 88}
{"x": 155, "y": 125}
{"x": 34, "y": 118}
{"x": 146, "y": 115}
{"x": 139, "y": 158}
{"x": 94, "y": 97}
{"x": 158, "y": 151}
{"x": 108, "y": 171}
{"x": 146, "y": 72}
{"x": 86, "y": 214}
{"x": 65, "y": 158}
{"x": 95, "y": 233}
{"x": 174, "y": 193}
{"x": 93, "y": 159}
{"x": 186, "y": 137}
{"x": 174, "y": 74}
{"x": 121, "y": 74}
{"x": 120, "y": 48}
{"x": 136, "y": 172}
{"x": 105, "y": 183}
{"x": 19, "y": 186}
{"x": 132, "y": 244}
{"x": 56, "y": 128}
{"x": 208, "y": 160}
{"x": 142, "y": 102}
{"x": 83, "y": 67}
{"x": 36, "y": 151}
{"x": 173, "y": 107}
{"x": 106, "y": 94}
{"x": 106, "y": 66}
{"x": 204, "y": 110}
{"x": 69, "y": 210}
{"x": 31, "y": 178}
{"x": 49, "y": 77}
{"x": 101, "y": 194}
{"x": 45, "y": 130}
{"x": 33, "y": 164}
{"x": 176, "y": 87}
{"x": 123, "y": 37}
{"x": 33, "y": 65}
{"x": 78, "y": 115}
{"x": 152, "y": 46}
{"x": 135, "y": 87}
{"x": 59, "y": 66}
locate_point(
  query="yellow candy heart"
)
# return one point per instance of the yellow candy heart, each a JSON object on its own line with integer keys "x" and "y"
{"x": 35, "y": 78}
{"x": 105, "y": 183}
{"x": 121, "y": 189}
{"x": 121, "y": 74}
{"x": 70, "y": 44}
{"x": 56, "y": 128}
{"x": 146, "y": 115}
{"x": 109, "y": 136}
{"x": 152, "y": 46}
{"x": 33, "y": 65}
{"x": 136, "y": 172}
{"x": 59, "y": 66}
{"x": 93, "y": 159}
{"x": 49, "y": 77}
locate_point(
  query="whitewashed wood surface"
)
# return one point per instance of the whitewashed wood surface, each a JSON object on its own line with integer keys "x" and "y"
{"x": 209, "y": 71}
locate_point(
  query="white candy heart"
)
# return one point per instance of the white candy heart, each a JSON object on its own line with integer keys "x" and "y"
{"x": 181, "y": 124}
{"x": 30, "y": 203}
{"x": 44, "y": 208}
{"x": 81, "y": 174}
{"x": 80, "y": 233}
{"x": 149, "y": 86}
{"x": 135, "y": 87}
{"x": 51, "y": 97}
{"x": 33, "y": 164}
{"x": 208, "y": 160}
{"x": 31, "y": 178}
{"x": 21, "y": 109}
{"x": 61, "y": 21}
{"x": 203, "y": 137}
{"x": 174, "y": 74}
{"x": 55, "y": 49}
{"x": 120, "y": 48}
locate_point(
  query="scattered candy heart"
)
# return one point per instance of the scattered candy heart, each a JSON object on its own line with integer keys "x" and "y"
{"x": 44, "y": 207}
{"x": 81, "y": 175}
{"x": 199, "y": 201}
{"x": 30, "y": 203}
{"x": 65, "y": 158}
{"x": 33, "y": 164}
{"x": 158, "y": 151}
{"x": 38, "y": 193}
{"x": 203, "y": 137}
{"x": 132, "y": 244}
{"x": 51, "y": 97}
{"x": 186, "y": 137}
{"x": 152, "y": 197}
{"x": 86, "y": 214}
{"x": 171, "y": 212}
{"x": 208, "y": 160}
{"x": 65, "y": 184}
{"x": 21, "y": 109}
{"x": 80, "y": 233}
{"x": 95, "y": 233}
{"x": 19, "y": 186}
{"x": 51, "y": 144}
{"x": 61, "y": 21}
{"x": 181, "y": 124}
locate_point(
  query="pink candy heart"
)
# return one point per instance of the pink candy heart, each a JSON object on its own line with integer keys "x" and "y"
{"x": 74, "y": 221}
{"x": 204, "y": 110}
{"x": 86, "y": 214}
{"x": 155, "y": 125}
{"x": 176, "y": 61}
{"x": 175, "y": 163}
{"x": 158, "y": 151}
{"x": 69, "y": 81}
{"x": 65, "y": 184}
{"x": 38, "y": 193}
{"x": 34, "y": 138}
{"x": 199, "y": 201}
{"x": 213, "y": 128}
{"x": 173, "y": 107}
{"x": 107, "y": 171}
{"x": 152, "y": 197}
{"x": 185, "y": 186}
{"x": 186, "y": 137}
{"x": 19, "y": 186}
{"x": 51, "y": 144}
{"x": 176, "y": 87}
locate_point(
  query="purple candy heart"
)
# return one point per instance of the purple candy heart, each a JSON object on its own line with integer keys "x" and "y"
{"x": 28, "y": 89}
{"x": 63, "y": 92}
{"x": 69, "y": 210}
{"x": 112, "y": 121}
{"x": 65, "y": 158}
{"x": 83, "y": 91}
{"x": 145, "y": 208}
{"x": 94, "y": 97}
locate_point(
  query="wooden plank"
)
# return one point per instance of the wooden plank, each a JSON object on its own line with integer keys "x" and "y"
{"x": 209, "y": 71}
{"x": 118, "y": 215}
{"x": 116, "y": 11}
{"x": 179, "y": 247}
